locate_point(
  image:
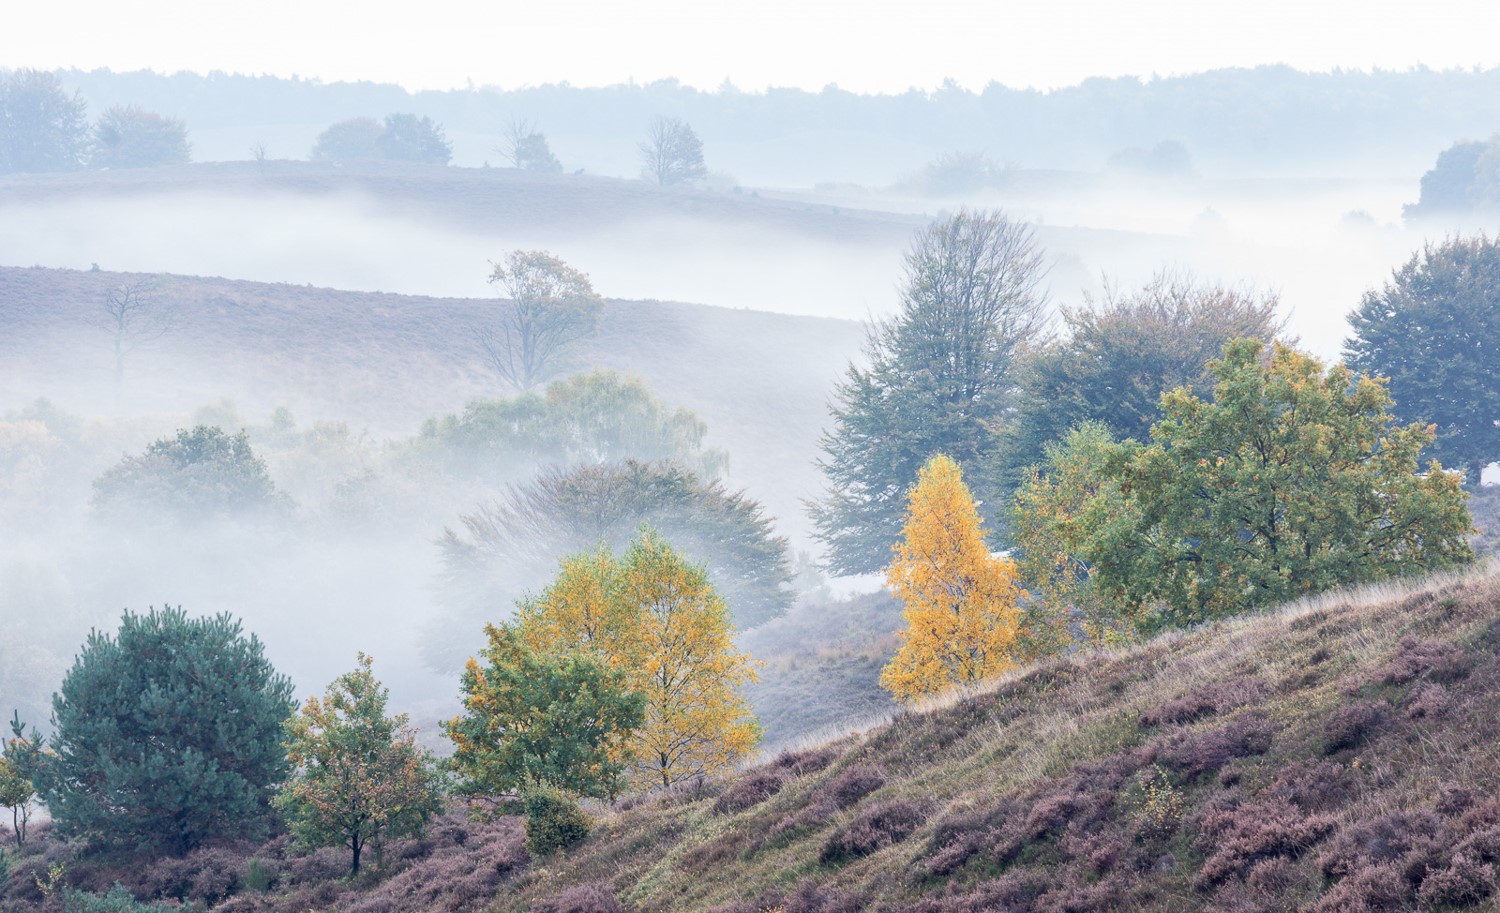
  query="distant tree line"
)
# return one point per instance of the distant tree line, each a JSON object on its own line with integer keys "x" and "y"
{"x": 43, "y": 128}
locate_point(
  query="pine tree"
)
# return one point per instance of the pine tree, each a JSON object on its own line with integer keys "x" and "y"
{"x": 961, "y": 603}
{"x": 168, "y": 735}
{"x": 360, "y": 777}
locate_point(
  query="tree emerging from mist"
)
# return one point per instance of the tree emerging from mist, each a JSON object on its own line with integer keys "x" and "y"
{"x": 130, "y": 137}
{"x": 549, "y": 308}
{"x": 42, "y": 127}
{"x": 599, "y": 417}
{"x": 672, "y": 152}
{"x": 197, "y": 474}
{"x": 939, "y": 380}
{"x": 1118, "y": 356}
{"x": 567, "y": 511}
{"x": 399, "y": 138}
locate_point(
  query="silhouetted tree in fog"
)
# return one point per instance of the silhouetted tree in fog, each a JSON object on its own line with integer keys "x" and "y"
{"x": 42, "y": 128}
{"x": 672, "y": 152}
{"x": 129, "y": 137}
{"x": 549, "y": 307}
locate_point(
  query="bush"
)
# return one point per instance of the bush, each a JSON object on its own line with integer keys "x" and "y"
{"x": 875, "y": 828}
{"x": 583, "y": 898}
{"x": 749, "y": 791}
{"x": 1352, "y": 724}
{"x": 1202, "y": 752}
{"x": 116, "y": 900}
{"x": 854, "y": 783}
{"x": 553, "y": 822}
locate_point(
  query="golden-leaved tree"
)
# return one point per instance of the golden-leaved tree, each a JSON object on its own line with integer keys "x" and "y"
{"x": 961, "y": 603}
{"x": 655, "y": 615}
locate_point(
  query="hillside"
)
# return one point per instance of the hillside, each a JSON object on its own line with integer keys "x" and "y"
{"x": 387, "y": 362}
{"x": 1332, "y": 756}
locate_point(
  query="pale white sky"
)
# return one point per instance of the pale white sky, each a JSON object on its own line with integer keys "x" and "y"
{"x": 862, "y": 45}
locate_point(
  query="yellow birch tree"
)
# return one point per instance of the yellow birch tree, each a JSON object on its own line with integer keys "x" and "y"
{"x": 656, "y": 616}
{"x": 961, "y": 603}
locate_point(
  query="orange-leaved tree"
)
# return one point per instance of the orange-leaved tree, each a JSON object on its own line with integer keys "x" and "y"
{"x": 961, "y": 603}
{"x": 655, "y": 615}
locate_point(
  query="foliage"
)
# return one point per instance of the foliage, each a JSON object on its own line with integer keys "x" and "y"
{"x": 401, "y": 137}
{"x": 549, "y": 308}
{"x": 42, "y": 128}
{"x": 554, "y": 821}
{"x": 20, "y": 766}
{"x": 117, "y": 899}
{"x": 654, "y": 615}
{"x": 938, "y": 380}
{"x": 409, "y": 138}
{"x": 1430, "y": 330}
{"x": 598, "y": 417}
{"x": 526, "y": 148}
{"x": 130, "y": 137}
{"x": 533, "y": 719}
{"x": 672, "y": 152}
{"x": 1118, "y": 357}
{"x": 1291, "y": 481}
{"x": 360, "y": 778}
{"x": 567, "y": 511}
{"x": 353, "y": 140}
{"x": 960, "y": 603}
{"x": 1465, "y": 178}
{"x": 199, "y": 473}
{"x": 168, "y": 734}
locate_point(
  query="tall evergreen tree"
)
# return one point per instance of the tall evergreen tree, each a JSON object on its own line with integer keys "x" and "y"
{"x": 168, "y": 735}
{"x": 938, "y": 380}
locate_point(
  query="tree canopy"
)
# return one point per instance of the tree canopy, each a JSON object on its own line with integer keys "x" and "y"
{"x": 549, "y": 308}
{"x": 199, "y": 473}
{"x": 42, "y": 127}
{"x": 1432, "y": 330}
{"x": 656, "y": 616}
{"x": 1292, "y": 480}
{"x": 400, "y": 137}
{"x": 130, "y": 137}
{"x": 168, "y": 735}
{"x": 672, "y": 152}
{"x": 938, "y": 380}
{"x": 359, "y": 776}
{"x": 542, "y": 718}
{"x": 1118, "y": 356}
{"x": 960, "y": 603}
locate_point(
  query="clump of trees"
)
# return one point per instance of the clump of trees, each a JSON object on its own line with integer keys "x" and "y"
{"x": 1465, "y": 179}
{"x": 199, "y": 473}
{"x": 549, "y": 308}
{"x": 43, "y": 128}
{"x": 672, "y": 153}
{"x": 655, "y": 616}
{"x": 360, "y": 778}
{"x": 526, "y": 148}
{"x": 1431, "y": 330}
{"x": 168, "y": 735}
{"x": 398, "y": 138}
{"x": 938, "y": 380}
{"x": 1291, "y": 480}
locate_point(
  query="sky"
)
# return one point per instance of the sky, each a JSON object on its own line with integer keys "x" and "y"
{"x": 861, "y": 45}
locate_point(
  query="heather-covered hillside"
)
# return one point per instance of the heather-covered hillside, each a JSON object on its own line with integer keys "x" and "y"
{"x": 1330, "y": 756}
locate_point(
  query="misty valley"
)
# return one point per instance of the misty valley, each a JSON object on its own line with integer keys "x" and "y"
{"x": 647, "y": 499}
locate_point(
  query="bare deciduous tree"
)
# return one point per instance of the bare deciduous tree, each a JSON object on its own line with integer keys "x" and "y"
{"x": 134, "y": 317}
{"x": 672, "y": 152}
{"x": 550, "y": 306}
{"x": 526, "y": 148}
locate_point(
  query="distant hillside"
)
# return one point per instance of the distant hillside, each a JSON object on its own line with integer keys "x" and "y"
{"x": 1334, "y": 757}
{"x": 386, "y": 362}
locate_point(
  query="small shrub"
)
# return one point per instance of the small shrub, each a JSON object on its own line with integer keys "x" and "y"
{"x": 749, "y": 791}
{"x": 1203, "y": 752}
{"x": 854, "y": 783}
{"x": 1352, "y": 724}
{"x": 1160, "y": 803}
{"x": 1385, "y": 838}
{"x": 802, "y": 763}
{"x": 1464, "y": 882}
{"x": 116, "y": 900}
{"x": 1435, "y": 660}
{"x": 257, "y": 877}
{"x": 875, "y": 828}
{"x": 583, "y": 898}
{"x": 1371, "y": 889}
{"x": 1218, "y": 697}
{"x": 1236, "y": 836}
{"x": 1428, "y": 702}
{"x": 553, "y": 822}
